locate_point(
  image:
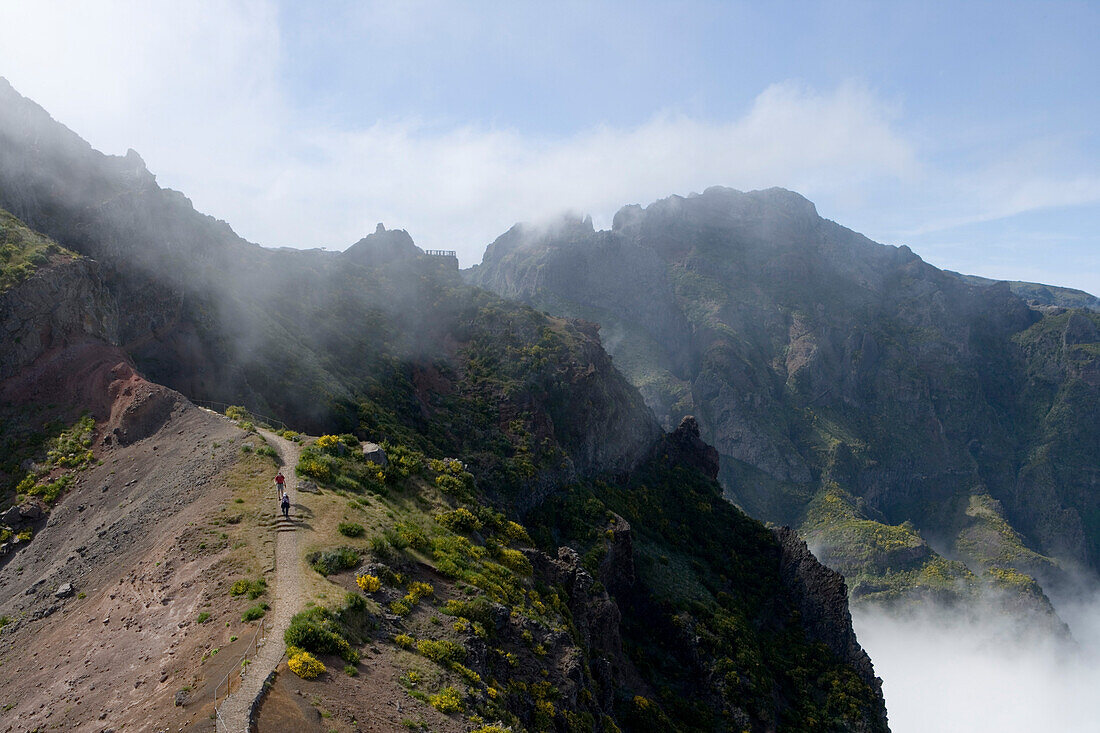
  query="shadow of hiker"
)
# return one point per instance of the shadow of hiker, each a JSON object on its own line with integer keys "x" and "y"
{"x": 301, "y": 510}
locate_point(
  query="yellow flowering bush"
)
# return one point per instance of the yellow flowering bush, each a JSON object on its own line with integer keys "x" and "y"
{"x": 459, "y": 520}
{"x": 304, "y": 664}
{"x": 368, "y": 583}
{"x": 328, "y": 443}
{"x": 447, "y": 701}
{"x": 515, "y": 533}
{"x": 418, "y": 590}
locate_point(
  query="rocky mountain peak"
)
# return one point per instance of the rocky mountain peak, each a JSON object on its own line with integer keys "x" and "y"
{"x": 685, "y": 445}
{"x": 383, "y": 246}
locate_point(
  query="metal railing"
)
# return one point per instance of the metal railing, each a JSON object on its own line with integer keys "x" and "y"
{"x": 223, "y": 406}
{"x": 236, "y": 674}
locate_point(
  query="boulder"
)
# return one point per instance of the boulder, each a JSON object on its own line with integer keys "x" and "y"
{"x": 374, "y": 453}
{"x": 10, "y": 516}
{"x": 65, "y": 590}
{"x": 31, "y": 512}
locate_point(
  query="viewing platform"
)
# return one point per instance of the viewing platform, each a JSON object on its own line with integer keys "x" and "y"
{"x": 441, "y": 253}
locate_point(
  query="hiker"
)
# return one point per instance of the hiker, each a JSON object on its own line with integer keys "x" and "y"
{"x": 285, "y": 504}
{"x": 280, "y": 484}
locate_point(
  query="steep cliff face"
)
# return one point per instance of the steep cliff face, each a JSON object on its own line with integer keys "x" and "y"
{"x": 822, "y": 598}
{"x": 847, "y": 385}
{"x": 59, "y": 305}
{"x": 724, "y": 624}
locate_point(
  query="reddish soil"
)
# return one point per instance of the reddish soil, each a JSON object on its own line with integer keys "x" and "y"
{"x": 133, "y": 536}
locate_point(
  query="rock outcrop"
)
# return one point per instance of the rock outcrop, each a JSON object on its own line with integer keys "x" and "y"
{"x": 58, "y": 305}
{"x": 823, "y": 603}
{"x": 382, "y": 247}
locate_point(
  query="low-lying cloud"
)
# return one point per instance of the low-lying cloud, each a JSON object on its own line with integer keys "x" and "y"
{"x": 946, "y": 672}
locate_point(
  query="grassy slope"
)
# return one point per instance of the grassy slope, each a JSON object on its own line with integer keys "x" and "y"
{"x": 23, "y": 251}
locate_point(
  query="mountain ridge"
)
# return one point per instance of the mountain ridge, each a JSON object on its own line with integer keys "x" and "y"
{"x": 822, "y": 364}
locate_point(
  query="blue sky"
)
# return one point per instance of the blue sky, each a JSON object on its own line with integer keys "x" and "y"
{"x": 965, "y": 130}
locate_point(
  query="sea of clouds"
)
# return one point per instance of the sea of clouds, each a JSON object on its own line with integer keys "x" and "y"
{"x": 945, "y": 671}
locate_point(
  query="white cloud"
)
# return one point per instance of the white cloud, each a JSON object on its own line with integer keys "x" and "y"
{"x": 461, "y": 187}
{"x": 943, "y": 672}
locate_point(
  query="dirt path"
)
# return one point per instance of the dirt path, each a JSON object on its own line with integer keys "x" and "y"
{"x": 236, "y": 710}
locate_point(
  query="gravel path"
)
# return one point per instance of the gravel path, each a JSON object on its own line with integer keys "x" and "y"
{"x": 235, "y": 712}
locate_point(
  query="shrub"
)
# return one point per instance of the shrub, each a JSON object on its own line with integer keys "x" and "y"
{"x": 254, "y": 613}
{"x": 514, "y": 560}
{"x": 203, "y": 617}
{"x": 471, "y": 676}
{"x": 404, "y": 641}
{"x": 516, "y": 534}
{"x": 351, "y": 670}
{"x": 459, "y": 520}
{"x": 368, "y": 583}
{"x": 380, "y": 548}
{"x": 411, "y": 535}
{"x": 332, "y": 561}
{"x": 236, "y": 412}
{"x": 442, "y": 651}
{"x": 316, "y": 630}
{"x": 419, "y": 590}
{"x": 50, "y": 491}
{"x": 450, "y": 484}
{"x": 254, "y": 588}
{"x": 305, "y": 665}
{"x": 314, "y": 468}
{"x": 447, "y": 701}
{"x": 476, "y": 610}
{"x": 327, "y": 443}
{"x": 351, "y": 529}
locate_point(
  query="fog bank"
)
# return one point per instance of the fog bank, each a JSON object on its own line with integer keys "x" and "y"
{"x": 942, "y": 672}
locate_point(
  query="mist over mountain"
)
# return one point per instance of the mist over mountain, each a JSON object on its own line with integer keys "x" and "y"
{"x": 635, "y": 598}
{"x": 932, "y": 436}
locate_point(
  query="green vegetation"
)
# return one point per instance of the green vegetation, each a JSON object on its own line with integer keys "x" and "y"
{"x": 447, "y": 701}
{"x": 23, "y": 251}
{"x": 252, "y": 588}
{"x": 203, "y": 617}
{"x": 715, "y": 597}
{"x": 350, "y": 529}
{"x": 255, "y": 612}
{"x": 323, "y": 631}
{"x": 55, "y": 451}
{"x": 328, "y": 562}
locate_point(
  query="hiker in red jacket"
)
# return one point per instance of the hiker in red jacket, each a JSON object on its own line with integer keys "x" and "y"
{"x": 280, "y": 484}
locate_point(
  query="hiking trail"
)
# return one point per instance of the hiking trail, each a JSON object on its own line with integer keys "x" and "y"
{"x": 235, "y": 712}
